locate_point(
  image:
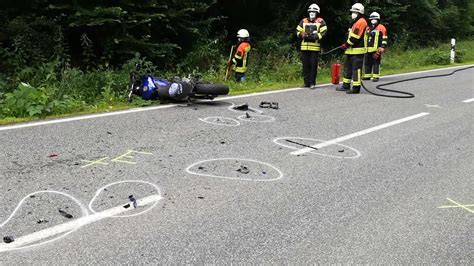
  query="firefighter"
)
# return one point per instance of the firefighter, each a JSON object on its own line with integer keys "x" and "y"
{"x": 240, "y": 59}
{"x": 355, "y": 48}
{"x": 377, "y": 42}
{"x": 311, "y": 31}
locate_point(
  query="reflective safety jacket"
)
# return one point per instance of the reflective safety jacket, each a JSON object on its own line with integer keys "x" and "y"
{"x": 377, "y": 37}
{"x": 315, "y": 32}
{"x": 357, "y": 38}
{"x": 240, "y": 59}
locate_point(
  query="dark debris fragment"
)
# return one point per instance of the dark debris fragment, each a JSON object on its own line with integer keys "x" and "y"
{"x": 65, "y": 214}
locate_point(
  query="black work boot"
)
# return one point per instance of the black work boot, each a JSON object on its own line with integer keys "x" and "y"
{"x": 344, "y": 87}
{"x": 305, "y": 85}
{"x": 355, "y": 90}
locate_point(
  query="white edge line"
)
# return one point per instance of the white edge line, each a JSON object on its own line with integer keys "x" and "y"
{"x": 65, "y": 227}
{"x": 357, "y": 134}
{"x": 468, "y": 101}
{"x": 143, "y": 109}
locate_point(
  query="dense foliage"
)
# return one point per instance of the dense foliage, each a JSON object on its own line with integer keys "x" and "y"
{"x": 71, "y": 52}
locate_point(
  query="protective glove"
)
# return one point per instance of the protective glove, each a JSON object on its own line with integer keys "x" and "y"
{"x": 377, "y": 56}
{"x": 381, "y": 50}
{"x": 344, "y": 46}
{"x": 304, "y": 35}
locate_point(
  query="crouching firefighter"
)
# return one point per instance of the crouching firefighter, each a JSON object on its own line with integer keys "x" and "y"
{"x": 377, "y": 42}
{"x": 355, "y": 48}
{"x": 311, "y": 31}
{"x": 240, "y": 59}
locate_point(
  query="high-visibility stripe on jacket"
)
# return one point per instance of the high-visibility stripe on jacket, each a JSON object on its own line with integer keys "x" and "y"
{"x": 357, "y": 38}
{"x": 377, "y": 37}
{"x": 316, "y": 29}
{"x": 240, "y": 59}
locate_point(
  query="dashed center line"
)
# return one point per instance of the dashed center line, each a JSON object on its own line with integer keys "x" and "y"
{"x": 468, "y": 101}
{"x": 357, "y": 134}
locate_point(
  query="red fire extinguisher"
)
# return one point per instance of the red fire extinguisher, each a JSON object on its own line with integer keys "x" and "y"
{"x": 336, "y": 73}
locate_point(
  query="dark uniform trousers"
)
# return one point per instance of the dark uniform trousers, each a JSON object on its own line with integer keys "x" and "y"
{"x": 310, "y": 61}
{"x": 353, "y": 71}
{"x": 372, "y": 66}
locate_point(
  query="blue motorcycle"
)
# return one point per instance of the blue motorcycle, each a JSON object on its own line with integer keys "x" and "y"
{"x": 149, "y": 87}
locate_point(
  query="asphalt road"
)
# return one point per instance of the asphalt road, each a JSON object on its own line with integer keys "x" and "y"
{"x": 384, "y": 191}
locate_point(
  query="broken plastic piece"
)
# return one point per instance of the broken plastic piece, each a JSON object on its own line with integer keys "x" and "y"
{"x": 133, "y": 200}
{"x": 247, "y": 115}
{"x": 274, "y": 105}
{"x": 265, "y": 105}
{"x": 53, "y": 155}
{"x": 126, "y": 206}
{"x": 42, "y": 221}
{"x": 243, "y": 169}
{"x": 242, "y": 107}
{"x": 8, "y": 239}
{"x": 65, "y": 214}
{"x": 341, "y": 151}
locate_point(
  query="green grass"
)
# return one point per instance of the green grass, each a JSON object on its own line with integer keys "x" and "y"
{"x": 286, "y": 73}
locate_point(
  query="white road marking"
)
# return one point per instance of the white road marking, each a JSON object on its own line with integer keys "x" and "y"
{"x": 358, "y": 134}
{"x": 281, "y": 141}
{"x": 74, "y": 225}
{"x": 144, "y": 109}
{"x": 468, "y": 101}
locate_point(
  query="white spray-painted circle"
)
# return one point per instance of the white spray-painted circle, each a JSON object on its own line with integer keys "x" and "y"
{"x": 278, "y": 142}
{"x": 83, "y": 209}
{"x": 280, "y": 174}
{"x": 214, "y": 120}
{"x": 97, "y": 193}
{"x": 231, "y": 108}
{"x": 265, "y": 118}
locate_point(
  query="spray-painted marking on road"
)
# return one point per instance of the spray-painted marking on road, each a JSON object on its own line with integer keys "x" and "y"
{"x": 458, "y": 205}
{"x": 124, "y": 158}
{"x": 283, "y": 141}
{"x": 93, "y": 162}
{"x": 433, "y": 106}
{"x": 358, "y": 134}
{"x": 220, "y": 121}
{"x": 62, "y": 230}
{"x": 468, "y": 101}
{"x": 189, "y": 170}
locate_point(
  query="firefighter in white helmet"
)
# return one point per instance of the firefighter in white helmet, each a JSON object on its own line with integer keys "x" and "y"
{"x": 377, "y": 42}
{"x": 240, "y": 58}
{"x": 355, "y": 48}
{"x": 311, "y": 30}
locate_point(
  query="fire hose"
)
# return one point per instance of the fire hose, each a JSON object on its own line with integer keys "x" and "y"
{"x": 404, "y": 95}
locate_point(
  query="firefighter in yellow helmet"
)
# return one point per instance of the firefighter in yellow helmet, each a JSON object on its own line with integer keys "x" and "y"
{"x": 311, "y": 31}
{"x": 377, "y": 42}
{"x": 355, "y": 48}
{"x": 240, "y": 59}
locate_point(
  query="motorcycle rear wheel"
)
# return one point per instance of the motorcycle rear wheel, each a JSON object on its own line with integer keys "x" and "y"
{"x": 211, "y": 89}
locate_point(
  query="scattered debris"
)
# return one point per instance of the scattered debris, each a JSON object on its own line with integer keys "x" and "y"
{"x": 110, "y": 133}
{"x": 222, "y": 142}
{"x": 76, "y": 163}
{"x": 200, "y": 197}
{"x": 272, "y": 105}
{"x": 195, "y": 109}
{"x": 341, "y": 150}
{"x": 263, "y": 172}
{"x": 127, "y": 206}
{"x": 42, "y": 221}
{"x": 32, "y": 196}
{"x": 243, "y": 169}
{"x": 247, "y": 115}
{"x": 301, "y": 144}
{"x": 53, "y": 155}
{"x": 65, "y": 214}
{"x": 133, "y": 200}
{"x": 111, "y": 197}
{"x": 420, "y": 164}
{"x": 201, "y": 168}
{"x": 242, "y": 107}
{"x": 8, "y": 239}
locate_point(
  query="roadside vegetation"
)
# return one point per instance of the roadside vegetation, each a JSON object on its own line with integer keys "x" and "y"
{"x": 59, "y": 59}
